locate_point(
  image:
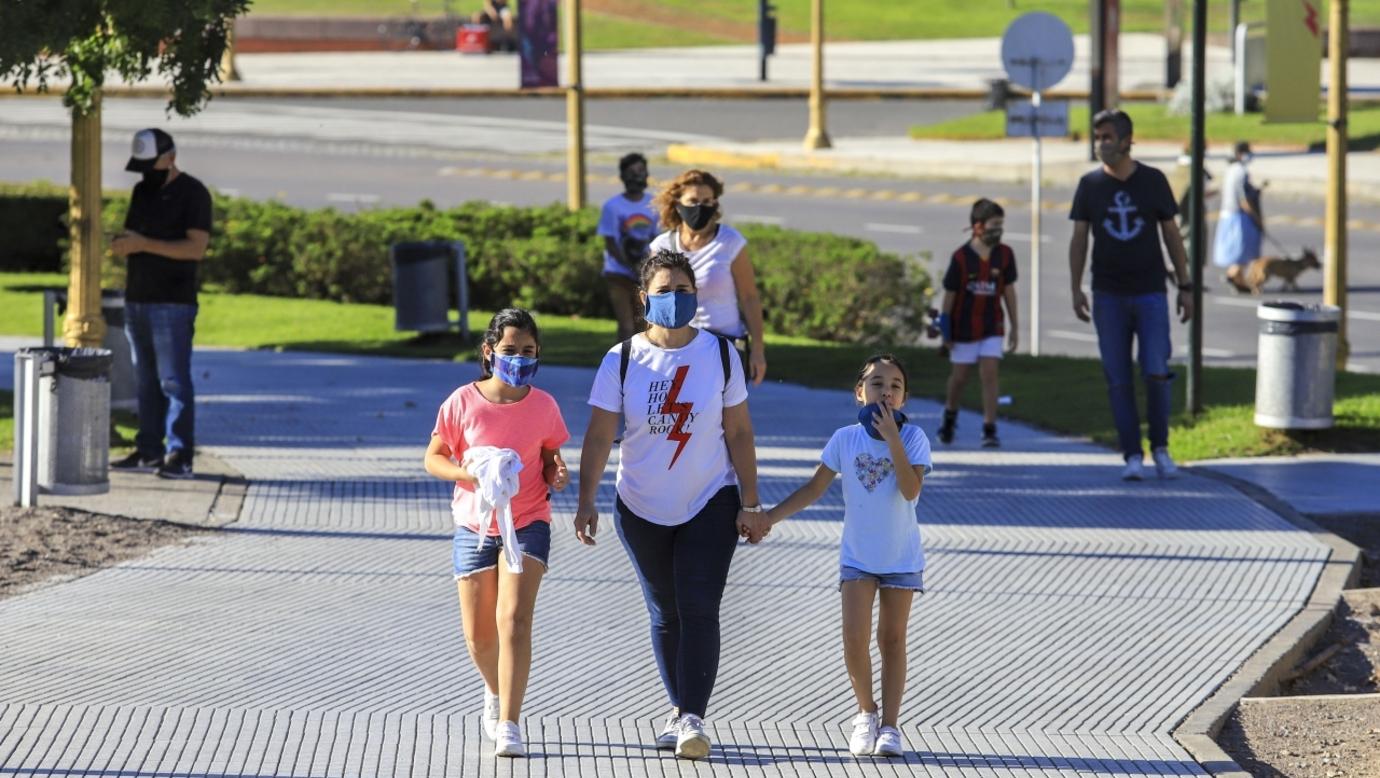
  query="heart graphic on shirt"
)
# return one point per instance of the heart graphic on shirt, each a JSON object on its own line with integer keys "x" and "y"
{"x": 872, "y": 471}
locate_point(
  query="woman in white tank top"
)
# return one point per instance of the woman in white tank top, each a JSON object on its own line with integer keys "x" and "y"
{"x": 729, "y": 304}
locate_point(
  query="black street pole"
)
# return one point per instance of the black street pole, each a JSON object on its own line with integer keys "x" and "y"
{"x": 1195, "y": 203}
{"x": 1097, "y": 27}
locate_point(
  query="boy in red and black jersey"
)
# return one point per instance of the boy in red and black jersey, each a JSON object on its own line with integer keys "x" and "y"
{"x": 981, "y": 277}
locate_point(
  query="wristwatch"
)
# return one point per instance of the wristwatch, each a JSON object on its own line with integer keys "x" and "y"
{"x": 752, "y": 508}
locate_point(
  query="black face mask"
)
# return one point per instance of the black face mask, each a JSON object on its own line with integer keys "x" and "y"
{"x": 156, "y": 178}
{"x": 697, "y": 217}
{"x": 634, "y": 183}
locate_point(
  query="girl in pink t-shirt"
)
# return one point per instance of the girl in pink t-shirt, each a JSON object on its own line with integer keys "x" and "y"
{"x": 501, "y": 411}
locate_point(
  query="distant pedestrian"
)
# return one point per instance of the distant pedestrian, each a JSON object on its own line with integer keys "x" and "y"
{"x": 1240, "y": 223}
{"x": 498, "y": 440}
{"x": 167, "y": 230}
{"x": 1128, "y": 207}
{"x": 686, "y": 484}
{"x": 627, "y": 223}
{"x": 979, "y": 295}
{"x": 883, "y": 461}
{"x": 729, "y": 303}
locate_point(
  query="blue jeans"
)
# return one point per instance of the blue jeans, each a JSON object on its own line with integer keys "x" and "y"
{"x": 683, "y": 570}
{"x": 160, "y": 337}
{"x": 1144, "y": 317}
{"x": 468, "y": 556}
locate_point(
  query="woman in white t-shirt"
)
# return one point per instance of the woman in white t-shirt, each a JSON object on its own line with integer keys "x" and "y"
{"x": 883, "y": 462}
{"x": 729, "y": 304}
{"x": 686, "y": 485}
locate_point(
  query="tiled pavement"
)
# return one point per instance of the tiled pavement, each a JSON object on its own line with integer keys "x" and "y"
{"x": 1071, "y": 621}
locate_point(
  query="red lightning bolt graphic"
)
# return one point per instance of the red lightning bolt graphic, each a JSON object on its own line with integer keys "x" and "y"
{"x": 681, "y": 411}
{"x": 1311, "y": 19}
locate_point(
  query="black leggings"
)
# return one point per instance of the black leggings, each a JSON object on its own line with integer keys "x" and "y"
{"x": 683, "y": 570}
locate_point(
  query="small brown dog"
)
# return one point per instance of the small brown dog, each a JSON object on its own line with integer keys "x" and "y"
{"x": 1258, "y": 271}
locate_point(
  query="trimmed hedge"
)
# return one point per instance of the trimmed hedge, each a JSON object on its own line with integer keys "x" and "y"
{"x": 544, "y": 258}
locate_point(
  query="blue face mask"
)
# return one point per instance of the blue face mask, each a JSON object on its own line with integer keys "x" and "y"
{"x": 514, "y": 370}
{"x": 671, "y": 310}
{"x": 865, "y": 418}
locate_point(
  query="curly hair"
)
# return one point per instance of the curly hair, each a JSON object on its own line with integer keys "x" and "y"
{"x": 670, "y": 195}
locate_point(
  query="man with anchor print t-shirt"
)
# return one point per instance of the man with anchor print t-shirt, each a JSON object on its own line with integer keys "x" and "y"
{"x": 1128, "y": 207}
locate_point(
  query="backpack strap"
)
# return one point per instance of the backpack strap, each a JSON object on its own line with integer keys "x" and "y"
{"x": 724, "y": 348}
{"x": 624, "y": 355}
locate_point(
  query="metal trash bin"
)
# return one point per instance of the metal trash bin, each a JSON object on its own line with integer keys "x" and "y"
{"x": 123, "y": 391}
{"x": 424, "y": 275}
{"x": 1295, "y": 365}
{"x": 62, "y": 422}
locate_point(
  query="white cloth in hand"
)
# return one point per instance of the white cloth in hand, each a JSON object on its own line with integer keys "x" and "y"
{"x": 496, "y": 484}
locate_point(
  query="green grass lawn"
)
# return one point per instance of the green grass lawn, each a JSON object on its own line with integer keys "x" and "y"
{"x": 1063, "y": 394}
{"x": 844, "y": 19}
{"x": 1153, "y": 122}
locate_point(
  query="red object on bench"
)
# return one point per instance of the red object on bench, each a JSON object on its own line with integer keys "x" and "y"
{"x": 472, "y": 39}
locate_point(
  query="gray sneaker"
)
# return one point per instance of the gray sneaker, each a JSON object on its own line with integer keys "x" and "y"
{"x": 670, "y": 733}
{"x": 692, "y": 742}
{"x": 1164, "y": 464}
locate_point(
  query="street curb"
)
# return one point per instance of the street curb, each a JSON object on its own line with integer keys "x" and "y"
{"x": 697, "y": 156}
{"x": 1260, "y": 675}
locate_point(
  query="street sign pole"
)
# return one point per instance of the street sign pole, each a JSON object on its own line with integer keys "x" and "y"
{"x": 1037, "y": 53}
{"x": 1035, "y": 229}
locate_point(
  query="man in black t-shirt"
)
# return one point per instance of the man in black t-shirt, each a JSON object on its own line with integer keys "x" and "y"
{"x": 166, "y": 233}
{"x": 1129, "y": 207}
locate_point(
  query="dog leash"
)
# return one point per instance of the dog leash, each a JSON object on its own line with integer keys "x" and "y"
{"x": 1284, "y": 252}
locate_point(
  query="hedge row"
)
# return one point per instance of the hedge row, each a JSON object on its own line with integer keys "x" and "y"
{"x": 544, "y": 258}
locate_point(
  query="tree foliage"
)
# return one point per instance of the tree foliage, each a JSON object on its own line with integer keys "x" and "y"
{"x": 86, "y": 40}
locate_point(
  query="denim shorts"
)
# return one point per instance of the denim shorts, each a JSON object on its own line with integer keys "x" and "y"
{"x": 534, "y": 540}
{"x": 912, "y": 581}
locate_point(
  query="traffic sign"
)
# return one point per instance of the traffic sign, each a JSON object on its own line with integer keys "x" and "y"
{"x": 1050, "y": 119}
{"x": 1037, "y": 51}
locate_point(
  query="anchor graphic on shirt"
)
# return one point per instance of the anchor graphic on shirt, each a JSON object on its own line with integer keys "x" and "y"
{"x": 1123, "y": 208}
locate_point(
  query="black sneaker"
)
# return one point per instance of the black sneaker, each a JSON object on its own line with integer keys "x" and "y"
{"x": 946, "y": 430}
{"x": 989, "y": 436}
{"x": 137, "y": 463}
{"x": 176, "y": 465}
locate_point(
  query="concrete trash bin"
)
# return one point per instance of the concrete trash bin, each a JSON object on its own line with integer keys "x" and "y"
{"x": 426, "y": 275}
{"x": 1295, "y": 365}
{"x": 123, "y": 392}
{"x": 62, "y": 421}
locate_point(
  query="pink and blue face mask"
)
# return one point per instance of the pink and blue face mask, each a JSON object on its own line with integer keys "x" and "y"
{"x": 514, "y": 370}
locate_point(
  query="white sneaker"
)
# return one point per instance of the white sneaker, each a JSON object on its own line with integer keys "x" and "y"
{"x": 490, "y": 713}
{"x": 889, "y": 742}
{"x": 863, "y": 741}
{"x": 692, "y": 742}
{"x": 1134, "y": 470}
{"x": 1164, "y": 464}
{"x": 508, "y": 740}
{"x": 666, "y": 741}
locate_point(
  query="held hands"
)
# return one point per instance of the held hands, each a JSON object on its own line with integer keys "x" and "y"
{"x": 754, "y": 526}
{"x": 128, "y": 242}
{"x": 586, "y": 523}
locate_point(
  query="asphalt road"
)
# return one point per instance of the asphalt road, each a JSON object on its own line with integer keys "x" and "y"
{"x": 298, "y": 152}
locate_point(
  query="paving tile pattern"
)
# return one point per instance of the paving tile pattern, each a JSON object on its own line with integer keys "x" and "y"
{"x": 1070, "y": 620}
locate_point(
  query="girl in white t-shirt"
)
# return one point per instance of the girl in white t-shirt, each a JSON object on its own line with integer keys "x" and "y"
{"x": 728, "y": 303}
{"x": 686, "y": 484}
{"x": 883, "y": 464}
